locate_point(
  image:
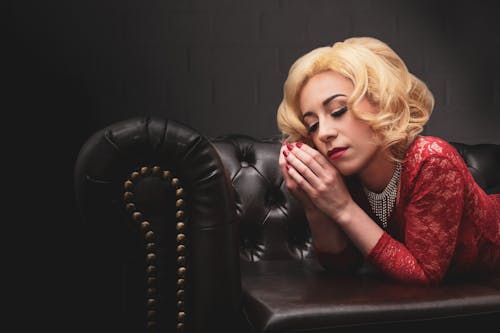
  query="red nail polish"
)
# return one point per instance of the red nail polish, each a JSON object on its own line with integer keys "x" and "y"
{"x": 287, "y": 166}
{"x": 289, "y": 146}
{"x": 285, "y": 153}
{"x": 299, "y": 144}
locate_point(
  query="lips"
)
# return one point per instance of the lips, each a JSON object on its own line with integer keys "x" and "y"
{"x": 336, "y": 152}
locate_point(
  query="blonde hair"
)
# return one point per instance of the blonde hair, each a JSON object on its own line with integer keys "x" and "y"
{"x": 377, "y": 73}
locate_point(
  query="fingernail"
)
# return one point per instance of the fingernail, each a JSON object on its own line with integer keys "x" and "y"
{"x": 287, "y": 166}
{"x": 289, "y": 146}
{"x": 285, "y": 153}
{"x": 299, "y": 144}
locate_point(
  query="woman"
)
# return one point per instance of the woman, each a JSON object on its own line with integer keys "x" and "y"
{"x": 371, "y": 186}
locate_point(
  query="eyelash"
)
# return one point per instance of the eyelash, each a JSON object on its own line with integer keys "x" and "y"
{"x": 335, "y": 114}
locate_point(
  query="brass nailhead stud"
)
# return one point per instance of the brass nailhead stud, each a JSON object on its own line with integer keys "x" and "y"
{"x": 151, "y": 324}
{"x": 181, "y": 237}
{"x": 181, "y": 282}
{"x": 156, "y": 170}
{"x": 151, "y": 302}
{"x": 127, "y": 196}
{"x": 150, "y": 235}
{"x": 179, "y": 214}
{"x": 180, "y": 327}
{"x": 181, "y": 260}
{"x": 180, "y": 226}
{"x": 128, "y": 185}
{"x": 137, "y": 216}
{"x": 151, "y": 257}
{"x": 180, "y": 293}
{"x": 166, "y": 175}
{"x": 151, "y": 291}
{"x": 151, "y": 269}
{"x": 181, "y": 316}
{"x": 151, "y": 280}
{"x": 144, "y": 170}
{"x": 181, "y": 248}
{"x": 150, "y": 246}
{"x": 135, "y": 175}
{"x": 130, "y": 207}
{"x": 180, "y": 305}
{"x": 151, "y": 314}
{"x": 181, "y": 271}
{"x": 179, "y": 203}
{"x": 179, "y": 192}
{"x": 145, "y": 225}
{"x": 175, "y": 182}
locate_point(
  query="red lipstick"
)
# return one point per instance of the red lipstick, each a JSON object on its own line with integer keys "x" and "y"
{"x": 336, "y": 152}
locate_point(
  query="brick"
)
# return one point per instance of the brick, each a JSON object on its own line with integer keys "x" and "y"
{"x": 234, "y": 58}
{"x": 412, "y": 57}
{"x": 288, "y": 56}
{"x": 217, "y": 5}
{"x": 381, "y": 26}
{"x": 270, "y": 88}
{"x": 234, "y": 89}
{"x": 189, "y": 27}
{"x": 283, "y": 27}
{"x": 327, "y": 27}
{"x": 191, "y": 90}
{"x": 162, "y": 59}
{"x": 317, "y": 6}
{"x": 462, "y": 91}
{"x": 235, "y": 26}
{"x": 442, "y": 60}
{"x": 437, "y": 86}
{"x": 461, "y": 125}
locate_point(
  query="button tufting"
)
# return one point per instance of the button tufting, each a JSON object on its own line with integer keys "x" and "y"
{"x": 275, "y": 197}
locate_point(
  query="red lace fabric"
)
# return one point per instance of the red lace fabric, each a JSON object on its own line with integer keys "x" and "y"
{"x": 443, "y": 224}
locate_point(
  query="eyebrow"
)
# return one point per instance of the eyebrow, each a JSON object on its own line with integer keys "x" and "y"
{"x": 325, "y": 102}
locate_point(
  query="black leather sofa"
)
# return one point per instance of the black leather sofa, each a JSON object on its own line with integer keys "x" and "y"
{"x": 207, "y": 239}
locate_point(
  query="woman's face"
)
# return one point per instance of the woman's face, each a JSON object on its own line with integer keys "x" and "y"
{"x": 348, "y": 142}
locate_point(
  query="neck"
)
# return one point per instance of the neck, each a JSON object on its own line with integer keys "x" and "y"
{"x": 378, "y": 173}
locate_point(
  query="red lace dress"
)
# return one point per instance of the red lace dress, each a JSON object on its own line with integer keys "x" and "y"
{"x": 443, "y": 223}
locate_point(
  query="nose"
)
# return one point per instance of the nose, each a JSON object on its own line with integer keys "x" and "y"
{"x": 327, "y": 131}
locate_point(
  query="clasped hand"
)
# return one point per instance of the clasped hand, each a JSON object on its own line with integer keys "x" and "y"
{"x": 313, "y": 180}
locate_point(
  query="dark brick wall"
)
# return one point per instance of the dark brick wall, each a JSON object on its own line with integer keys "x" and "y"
{"x": 219, "y": 66}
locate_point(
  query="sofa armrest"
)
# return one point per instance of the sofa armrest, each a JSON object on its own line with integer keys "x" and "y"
{"x": 160, "y": 209}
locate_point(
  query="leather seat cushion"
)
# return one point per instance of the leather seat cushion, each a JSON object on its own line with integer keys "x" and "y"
{"x": 290, "y": 296}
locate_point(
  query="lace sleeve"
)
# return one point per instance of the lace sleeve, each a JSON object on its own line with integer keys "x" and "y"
{"x": 432, "y": 218}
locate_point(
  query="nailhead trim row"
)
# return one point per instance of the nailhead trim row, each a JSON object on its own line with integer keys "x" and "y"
{"x": 151, "y": 237}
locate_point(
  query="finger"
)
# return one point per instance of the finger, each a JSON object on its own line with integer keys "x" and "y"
{"x": 305, "y": 168}
{"x": 298, "y": 178}
{"x": 283, "y": 164}
{"x": 305, "y": 151}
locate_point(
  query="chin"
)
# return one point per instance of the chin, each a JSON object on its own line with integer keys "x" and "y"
{"x": 346, "y": 169}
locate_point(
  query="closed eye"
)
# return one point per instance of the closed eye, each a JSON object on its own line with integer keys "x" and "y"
{"x": 338, "y": 113}
{"x": 312, "y": 128}
{"x": 334, "y": 114}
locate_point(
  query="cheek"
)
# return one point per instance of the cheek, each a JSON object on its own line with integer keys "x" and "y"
{"x": 316, "y": 144}
{"x": 361, "y": 130}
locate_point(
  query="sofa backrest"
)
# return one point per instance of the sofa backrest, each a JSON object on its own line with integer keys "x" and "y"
{"x": 272, "y": 223}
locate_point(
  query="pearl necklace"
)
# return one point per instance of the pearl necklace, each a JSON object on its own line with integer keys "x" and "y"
{"x": 383, "y": 203}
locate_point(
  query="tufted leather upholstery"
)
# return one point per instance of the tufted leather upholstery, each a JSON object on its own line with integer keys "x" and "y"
{"x": 272, "y": 224}
{"x": 234, "y": 204}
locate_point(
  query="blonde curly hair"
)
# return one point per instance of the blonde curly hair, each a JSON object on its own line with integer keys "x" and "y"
{"x": 377, "y": 73}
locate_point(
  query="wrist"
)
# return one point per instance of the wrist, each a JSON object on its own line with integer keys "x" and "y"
{"x": 345, "y": 215}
